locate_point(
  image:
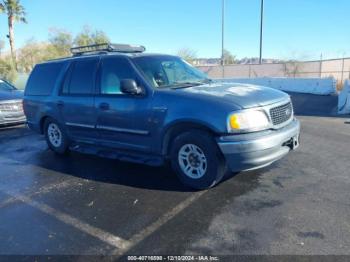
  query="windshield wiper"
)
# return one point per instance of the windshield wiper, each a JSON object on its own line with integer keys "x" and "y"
{"x": 191, "y": 83}
{"x": 185, "y": 84}
{"x": 177, "y": 85}
{"x": 207, "y": 81}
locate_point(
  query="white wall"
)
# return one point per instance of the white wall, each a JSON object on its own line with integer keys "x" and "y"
{"x": 344, "y": 99}
{"x": 319, "y": 86}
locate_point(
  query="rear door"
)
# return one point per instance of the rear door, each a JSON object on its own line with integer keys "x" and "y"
{"x": 122, "y": 119}
{"x": 76, "y": 100}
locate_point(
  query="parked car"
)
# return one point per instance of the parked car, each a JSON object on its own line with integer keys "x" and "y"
{"x": 11, "y": 109}
{"x": 116, "y": 101}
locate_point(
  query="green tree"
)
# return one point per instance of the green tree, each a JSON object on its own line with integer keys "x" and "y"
{"x": 90, "y": 37}
{"x": 229, "y": 59}
{"x": 100, "y": 37}
{"x": 15, "y": 13}
{"x": 61, "y": 42}
{"x": 2, "y": 46}
{"x": 30, "y": 54}
{"x": 187, "y": 54}
{"x": 34, "y": 52}
{"x": 7, "y": 71}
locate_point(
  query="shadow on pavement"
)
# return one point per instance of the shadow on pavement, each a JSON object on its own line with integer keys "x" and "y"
{"x": 27, "y": 147}
{"x": 117, "y": 172}
{"x": 110, "y": 171}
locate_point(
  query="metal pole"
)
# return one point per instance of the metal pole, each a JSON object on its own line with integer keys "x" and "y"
{"x": 261, "y": 29}
{"x": 342, "y": 70}
{"x": 223, "y": 38}
{"x": 321, "y": 58}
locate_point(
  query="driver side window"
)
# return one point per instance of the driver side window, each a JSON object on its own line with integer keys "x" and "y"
{"x": 115, "y": 69}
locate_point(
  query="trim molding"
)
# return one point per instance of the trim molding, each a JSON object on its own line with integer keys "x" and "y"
{"x": 123, "y": 130}
{"x": 79, "y": 125}
{"x": 109, "y": 128}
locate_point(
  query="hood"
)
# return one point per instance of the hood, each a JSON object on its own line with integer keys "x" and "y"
{"x": 10, "y": 95}
{"x": 243, "y": 95}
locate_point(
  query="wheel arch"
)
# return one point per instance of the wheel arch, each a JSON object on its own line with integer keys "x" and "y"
{"x": 173, "y": 130}
{"x": 42, "y": 122}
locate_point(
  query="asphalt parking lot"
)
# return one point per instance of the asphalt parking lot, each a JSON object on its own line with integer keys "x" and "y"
{"x": 81, "y": 204}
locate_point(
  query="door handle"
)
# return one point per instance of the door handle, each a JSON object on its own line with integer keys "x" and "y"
{"x": 104, "y": 106}
{"x": 60, "y": 103}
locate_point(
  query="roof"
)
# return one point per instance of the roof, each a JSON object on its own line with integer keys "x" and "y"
{"x": 108, "y": 49}
{"x": 99, "y": 54}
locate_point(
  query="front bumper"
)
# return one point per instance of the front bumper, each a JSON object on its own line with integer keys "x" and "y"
{"x": 11, "y": 120}
{"x": 256, "y": 150}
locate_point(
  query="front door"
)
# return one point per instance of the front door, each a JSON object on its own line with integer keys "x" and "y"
{"x": 122, "y": 119}
{"x": 76, "y": 100}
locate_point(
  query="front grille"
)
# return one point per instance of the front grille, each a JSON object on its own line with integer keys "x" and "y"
{"x": 281, "y": 114}
{"x": 13, "y": 107}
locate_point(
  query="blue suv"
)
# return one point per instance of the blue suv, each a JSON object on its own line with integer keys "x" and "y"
{"x": 118, "y": 102}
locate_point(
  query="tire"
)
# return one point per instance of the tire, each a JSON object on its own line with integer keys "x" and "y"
{"x": 197, "y": 160}
{"x": 55, "y": 136}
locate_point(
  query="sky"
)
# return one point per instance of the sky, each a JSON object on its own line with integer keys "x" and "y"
{"x": 293, "y": 29}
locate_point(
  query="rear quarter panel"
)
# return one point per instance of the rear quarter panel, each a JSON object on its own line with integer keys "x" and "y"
{"x": 37, "y": 107}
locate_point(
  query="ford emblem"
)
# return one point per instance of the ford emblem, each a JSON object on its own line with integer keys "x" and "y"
{"x": 288, "y": 111}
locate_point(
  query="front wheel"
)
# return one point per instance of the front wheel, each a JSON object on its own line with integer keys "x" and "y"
{"x": 197, "y": 160}
{"x": 55, "y": 137}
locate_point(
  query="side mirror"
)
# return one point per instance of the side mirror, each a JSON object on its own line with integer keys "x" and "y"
{"x": 129, "y": 86}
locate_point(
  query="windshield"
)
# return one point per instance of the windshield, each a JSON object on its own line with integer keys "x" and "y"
{"x": 5, "y": 86}
{"x": 168, "y": 71}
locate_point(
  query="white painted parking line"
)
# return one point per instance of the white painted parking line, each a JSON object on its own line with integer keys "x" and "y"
{"x": 100, "y": 234}
{"x": 143, "y": 234}
{"x": 8, "y": 202}
{"x": 43, "y": 190}
{"x": 122, "y": 246}
{"x": 20, "y": 169}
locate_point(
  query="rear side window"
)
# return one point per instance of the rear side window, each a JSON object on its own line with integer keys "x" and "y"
{"x": 43, "y": 79}
{"x": 81, "y": 78}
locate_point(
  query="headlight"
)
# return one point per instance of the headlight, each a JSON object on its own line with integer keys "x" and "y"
{"x": 249, "y": 120}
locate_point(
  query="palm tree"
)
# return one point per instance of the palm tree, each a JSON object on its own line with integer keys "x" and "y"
{"x": 15, "y": 13}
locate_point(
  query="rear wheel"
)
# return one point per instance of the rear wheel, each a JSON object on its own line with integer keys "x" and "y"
{"x": 55, "y": 137}
{"x": 197, "y": 160}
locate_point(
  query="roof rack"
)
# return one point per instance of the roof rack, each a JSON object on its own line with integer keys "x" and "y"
{"x": 106, "y": 47}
